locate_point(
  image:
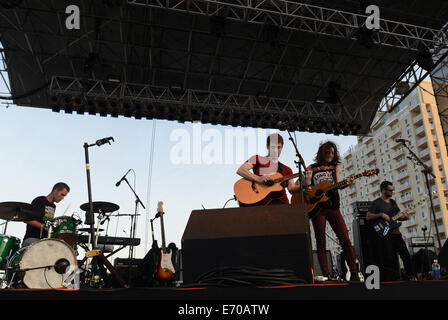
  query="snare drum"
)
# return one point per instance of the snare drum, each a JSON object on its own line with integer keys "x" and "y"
{"x": 65, "y": 229}
{"x": 8, "y": 246}
{"x": 41, "y": 256}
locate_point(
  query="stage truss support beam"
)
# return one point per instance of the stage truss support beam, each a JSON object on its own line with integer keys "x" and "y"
{"x": 143, "y": 100}
{"x": 304, "y": 17}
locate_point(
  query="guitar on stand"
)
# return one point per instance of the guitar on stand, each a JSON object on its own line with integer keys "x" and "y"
{"x": 165, "y": 268}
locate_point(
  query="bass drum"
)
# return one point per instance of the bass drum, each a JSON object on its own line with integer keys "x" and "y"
{"x": 45, "y": 264}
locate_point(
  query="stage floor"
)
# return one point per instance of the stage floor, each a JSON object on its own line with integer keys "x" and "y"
{"x": 407, "y": 290}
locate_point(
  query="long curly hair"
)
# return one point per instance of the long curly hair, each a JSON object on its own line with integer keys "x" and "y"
{"x": 324, "y": 147}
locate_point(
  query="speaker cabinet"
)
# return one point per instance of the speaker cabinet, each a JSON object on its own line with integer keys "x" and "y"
{"x": 364, "y": 243}
{"x": 265, "y": 237}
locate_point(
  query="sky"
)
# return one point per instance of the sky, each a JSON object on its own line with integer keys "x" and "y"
{"x": 193, "y": 166}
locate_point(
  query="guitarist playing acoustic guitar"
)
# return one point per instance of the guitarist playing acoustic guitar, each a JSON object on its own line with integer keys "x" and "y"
{"x": 265, "y": 170}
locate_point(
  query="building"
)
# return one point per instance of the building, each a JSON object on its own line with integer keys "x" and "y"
{"x": 416, "y": 119}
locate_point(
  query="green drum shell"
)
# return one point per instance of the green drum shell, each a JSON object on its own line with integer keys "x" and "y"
{"x": 14, "y": 263}
{"x": 65, "y": 229}
{"x": 8, "y": 246}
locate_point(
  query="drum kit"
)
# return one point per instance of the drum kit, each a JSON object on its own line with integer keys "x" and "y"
{"x": 49, "y": 262}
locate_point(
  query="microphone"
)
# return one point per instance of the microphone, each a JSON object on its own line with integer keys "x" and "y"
{"x": 401, "y": 140}
{"x": 104, "y": 141}
{"x": 118, "y": 183}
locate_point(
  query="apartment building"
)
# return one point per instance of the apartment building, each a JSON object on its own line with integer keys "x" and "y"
{"x": 416, "y": 119}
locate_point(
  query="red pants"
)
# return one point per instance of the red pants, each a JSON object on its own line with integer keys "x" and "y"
{"x": 334, "y": 217}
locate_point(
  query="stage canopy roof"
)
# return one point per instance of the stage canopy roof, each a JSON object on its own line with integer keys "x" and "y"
{"x": 302, "y": 65}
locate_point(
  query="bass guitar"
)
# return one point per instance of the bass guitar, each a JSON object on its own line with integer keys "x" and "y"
{"x": 253, "y": 193}
{"x": 318, "y": 194}
{"x": 165, "y": 268}
{"x": 382, "y": 227}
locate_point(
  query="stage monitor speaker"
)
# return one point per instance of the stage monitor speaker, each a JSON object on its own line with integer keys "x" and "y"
{"x": 265, "y": 237}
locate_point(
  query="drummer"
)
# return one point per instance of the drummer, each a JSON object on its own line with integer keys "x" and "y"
{"x": 36, "y": 229}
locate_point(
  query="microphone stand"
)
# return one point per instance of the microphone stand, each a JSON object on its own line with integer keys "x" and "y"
{"x": 427, "y": 171}
{"x": 133, "y": 225}
{"x": 98, "y": 259}
{"x": 299, "y": 165}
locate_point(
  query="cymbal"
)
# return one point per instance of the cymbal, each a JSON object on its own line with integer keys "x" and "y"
{"x": 100, "y": 207}
{"x": 88, "y": 230}
{"x": 18, "y": 211}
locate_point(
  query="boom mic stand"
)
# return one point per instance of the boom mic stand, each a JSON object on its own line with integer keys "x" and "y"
{"x": 427, "y": 171}
{"x": 133, "y": 225}
{"x": 98, "y": 259}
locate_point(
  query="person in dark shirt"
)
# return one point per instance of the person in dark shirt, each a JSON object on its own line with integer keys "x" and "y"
{"x": 327, "y": 168}
{"x": 263, "y": 167}
{"x": 37, "y": 229}
{"x": 392, "y": 244}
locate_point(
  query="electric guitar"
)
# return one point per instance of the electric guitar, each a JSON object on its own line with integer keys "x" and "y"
{"x": 317, "y": 195}
{"x": 382, "y": 227}
{"x": 165, "y": 269}
{"x": 253, "y": 193}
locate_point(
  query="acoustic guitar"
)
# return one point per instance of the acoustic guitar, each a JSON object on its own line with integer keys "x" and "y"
{"x": 165, "y": 268}
{"x": 253, "y": 193}
{"x": 318, "y": 194}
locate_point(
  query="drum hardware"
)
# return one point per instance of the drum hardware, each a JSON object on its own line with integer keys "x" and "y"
{"x": 88, "y": 230}
{"x": 99, "y": 261}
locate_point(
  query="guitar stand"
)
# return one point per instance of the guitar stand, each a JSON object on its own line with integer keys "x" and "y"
{"x": 99, "y": 261}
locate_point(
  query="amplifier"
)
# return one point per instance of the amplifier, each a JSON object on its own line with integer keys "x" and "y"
{"x": 124, "y": 263}
{"x": 421, "y": 242}
{"x": 360, "y": 208}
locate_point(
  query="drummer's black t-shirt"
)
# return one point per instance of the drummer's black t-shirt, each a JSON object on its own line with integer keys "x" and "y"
{"x": 46, "y": 210}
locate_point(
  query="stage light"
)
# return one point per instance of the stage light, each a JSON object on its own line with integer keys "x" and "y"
{"x": 270, "y": 34}
{"x": 127, "y": 110}
{"x": 402, "y": 88}
{"x": 218, "y": 26}
{"x": 91, "y": 109}
{"x": 195, "y": 114}
{"x": 102, "y": 107}
{"x": 424, "y": 60}
{"x": 364, "y": 37}
{"x": 113, "y": 3}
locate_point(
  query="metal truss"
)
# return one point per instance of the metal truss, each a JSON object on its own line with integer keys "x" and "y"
{"x": 5, "y": 89}
{"x": 415, "y": 74}
{"x": 139, "y": 100}
{"x": 304, "y": 17}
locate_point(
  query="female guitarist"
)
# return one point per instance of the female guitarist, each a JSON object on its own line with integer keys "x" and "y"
{"x": 264, "y": 167}
{"x": 327, "y": 168}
